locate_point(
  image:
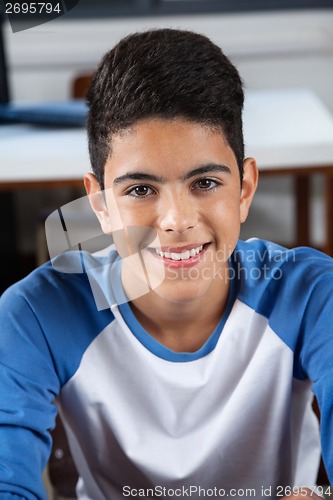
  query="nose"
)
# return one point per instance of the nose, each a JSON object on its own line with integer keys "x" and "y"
{"x": 178, "y": 214}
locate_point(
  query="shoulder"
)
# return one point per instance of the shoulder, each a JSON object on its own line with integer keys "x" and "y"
{"x": 256, "y": 251}
{"x": 54, "y": 309}
{"x": 287, "y": 286}
{"x": 60, "y": 281}
{"x": 265, "y": 268}
{"x": 47, "y": 288}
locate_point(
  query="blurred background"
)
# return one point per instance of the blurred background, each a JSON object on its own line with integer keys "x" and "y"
{"x": 275, "y": 44}
{"x": 281, "y": 44}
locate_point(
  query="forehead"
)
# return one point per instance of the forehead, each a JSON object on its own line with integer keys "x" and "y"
{"x": 162, "y": 131}
{"x": 167, "y": 146}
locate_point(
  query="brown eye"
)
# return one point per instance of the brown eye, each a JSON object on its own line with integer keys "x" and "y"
{"x": 205, "y": 184}
{"x": 140, "y": 191}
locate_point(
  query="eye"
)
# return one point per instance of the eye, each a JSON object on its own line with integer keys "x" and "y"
{"x": 205, "y": 184}
{"x": 140, "y": 191}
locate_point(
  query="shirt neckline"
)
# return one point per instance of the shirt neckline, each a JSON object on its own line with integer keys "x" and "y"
{"x": 161, "y": 351}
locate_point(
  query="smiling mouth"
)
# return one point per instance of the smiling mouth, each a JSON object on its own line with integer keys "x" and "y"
{"x": 185, "y": 254}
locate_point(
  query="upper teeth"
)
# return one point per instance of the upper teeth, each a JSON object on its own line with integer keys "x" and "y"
{"x": 180, "y": 256}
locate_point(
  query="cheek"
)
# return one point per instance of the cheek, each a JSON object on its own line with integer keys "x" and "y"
{"x": 225, "y": 217}
{"x": 124, "y": 212}
{"x": 225, "y": 211}
{"x": 131, "y": 223}
{"x": 134, "y": 214}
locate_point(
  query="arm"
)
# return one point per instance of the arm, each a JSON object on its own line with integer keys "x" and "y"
{"x": 315, "y": 359}
{"x": 28, "y": 386}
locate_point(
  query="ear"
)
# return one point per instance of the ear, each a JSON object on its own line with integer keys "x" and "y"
{"x": 97, "y": 202}
{"x": 249, "y": 186}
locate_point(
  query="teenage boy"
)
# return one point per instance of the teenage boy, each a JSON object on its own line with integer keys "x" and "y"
{"x": 182, "y": 362}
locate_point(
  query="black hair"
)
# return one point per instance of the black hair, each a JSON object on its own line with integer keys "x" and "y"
{"x": 163, "y": 73}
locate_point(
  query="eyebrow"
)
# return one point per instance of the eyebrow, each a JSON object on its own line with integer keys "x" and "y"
{"x": 142, "y": 176}
{"x": 206, "y": 169}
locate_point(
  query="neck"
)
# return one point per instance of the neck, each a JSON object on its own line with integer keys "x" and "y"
{"x": 182, "y": 326}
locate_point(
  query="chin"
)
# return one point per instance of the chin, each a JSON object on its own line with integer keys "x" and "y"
{"x": 181, "y": 293}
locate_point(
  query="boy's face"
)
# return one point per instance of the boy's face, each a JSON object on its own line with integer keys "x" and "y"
{"x": 181, "y": 179}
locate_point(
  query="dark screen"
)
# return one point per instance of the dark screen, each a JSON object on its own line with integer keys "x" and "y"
{"x": 4, "y": 92}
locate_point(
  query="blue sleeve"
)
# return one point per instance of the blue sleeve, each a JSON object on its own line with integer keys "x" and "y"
{"x": 315, "y": 358}
{"x": 28, "y": 386}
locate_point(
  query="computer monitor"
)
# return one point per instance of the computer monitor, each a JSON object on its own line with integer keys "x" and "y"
{"x": 4, "y": 88}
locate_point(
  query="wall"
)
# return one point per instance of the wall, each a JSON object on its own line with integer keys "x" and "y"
{"x": 276, "y": 49}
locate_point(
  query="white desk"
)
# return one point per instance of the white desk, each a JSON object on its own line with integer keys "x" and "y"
{"x": 41, "y": 157}
{"x": 287, "y": 131}
{"x": 290, "y": 132}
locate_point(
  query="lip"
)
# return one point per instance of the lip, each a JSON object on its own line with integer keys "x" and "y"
{"x": 179, "y": 249}
{"x": 176, "y": 264}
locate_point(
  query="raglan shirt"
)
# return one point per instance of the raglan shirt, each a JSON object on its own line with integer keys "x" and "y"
{"x": 235, "y": 415}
